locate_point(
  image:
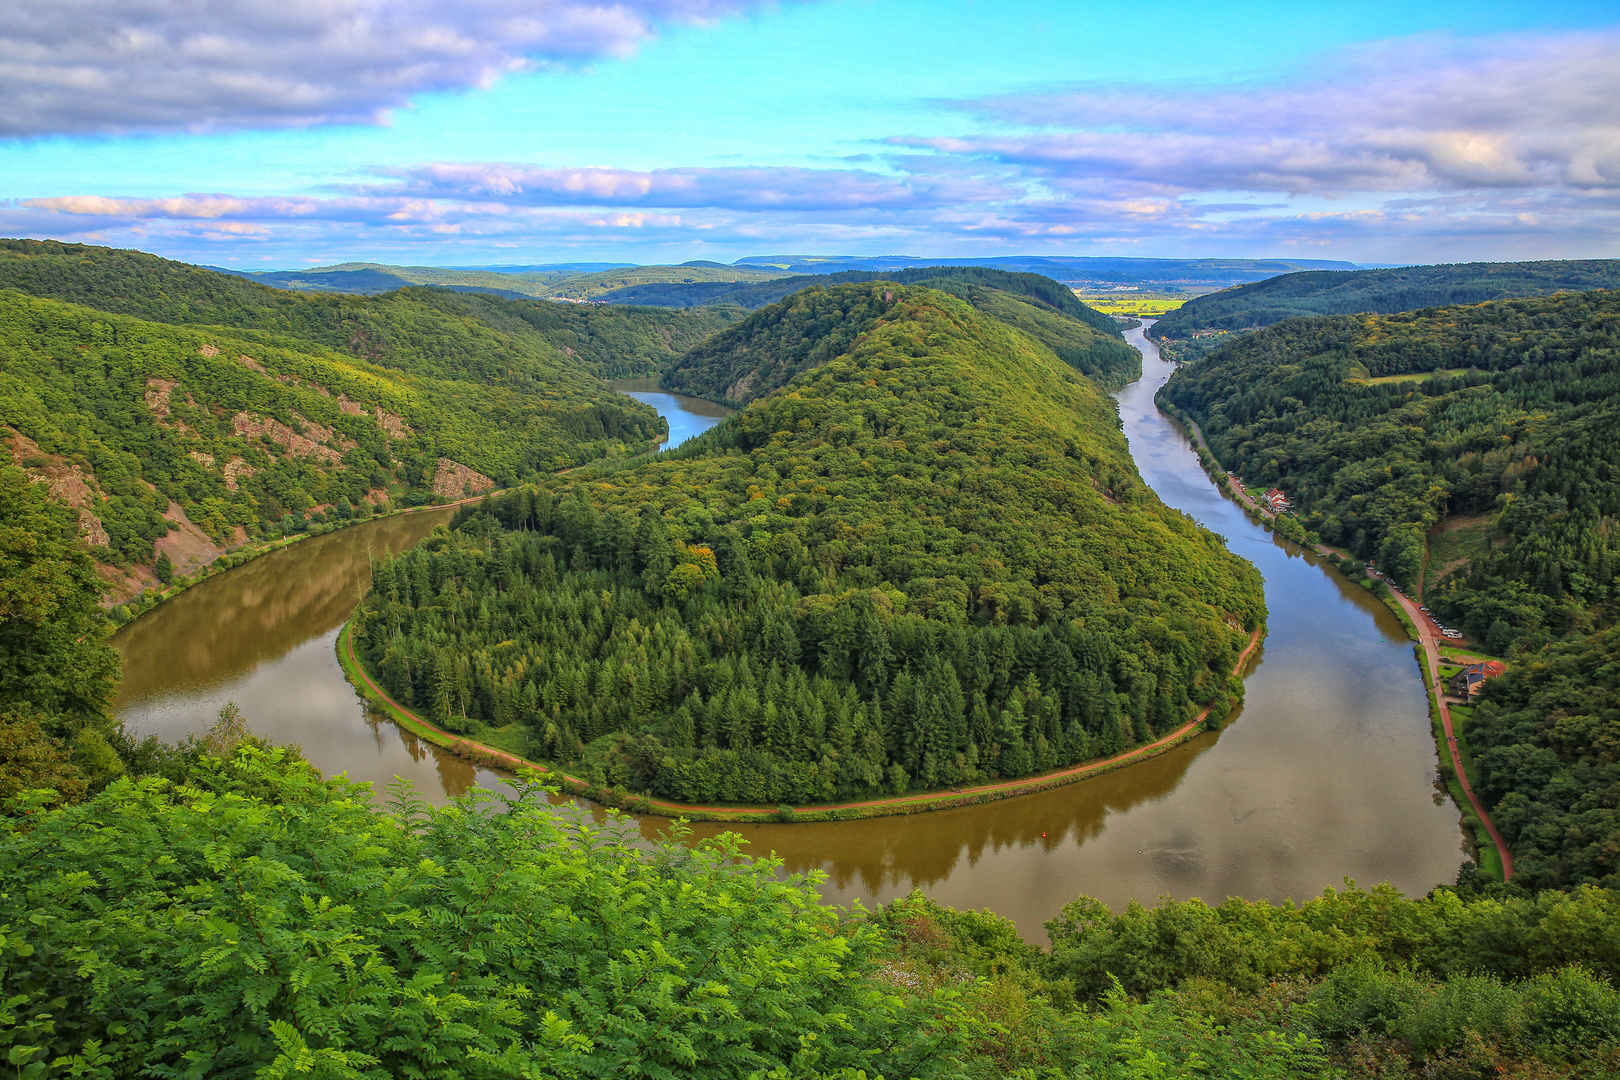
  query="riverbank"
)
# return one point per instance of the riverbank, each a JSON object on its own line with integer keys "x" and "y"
{"x": 488, "y": 756}
{"x": 149, "y": 600}
{"x": 1490, "y": 850}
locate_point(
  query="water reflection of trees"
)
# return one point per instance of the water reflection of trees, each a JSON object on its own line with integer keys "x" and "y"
{"x": 258, "y": 612}
{"x": 891, "y": 854}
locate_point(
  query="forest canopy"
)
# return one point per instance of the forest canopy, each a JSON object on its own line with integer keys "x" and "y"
{"x": 928, "y": 559}
{"x": 124, "y": 417}
{"x": 526, "y": 344}
{"x": 820, "y": 320}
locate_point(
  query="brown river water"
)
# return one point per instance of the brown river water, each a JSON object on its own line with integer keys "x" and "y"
{"x": 1328, "y": 772}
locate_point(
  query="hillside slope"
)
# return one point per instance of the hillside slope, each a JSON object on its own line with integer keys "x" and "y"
{"x": 814, "y": 324}
{"x": 927, "y": 559}
{"x": 1474, "y": 452}
{"x": 215, "y": 436}
{"x": 436, "y": 332}
{"x": 1387, "y": 291}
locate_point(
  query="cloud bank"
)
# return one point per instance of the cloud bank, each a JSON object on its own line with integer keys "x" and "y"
{"x": 1416, "y": 115}
{"x": 113, "y": 66}
{"x": 1418, "y": 150}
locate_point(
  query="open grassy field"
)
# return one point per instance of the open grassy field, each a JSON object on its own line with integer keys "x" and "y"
{"x": 1137, "y": 305}
{"x": 1453, "y": 544}
{"x": 1419, "y": 376}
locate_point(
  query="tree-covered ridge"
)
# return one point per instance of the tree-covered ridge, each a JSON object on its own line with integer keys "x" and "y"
{"x": 1036, "y": 287}
{"x": 1385, "y": 291}
{"x": 126, "y": 417}
{"x": 437, "y": 333}
{"x": 927, "y": 560}
{"x": 813, "y": 325}
{"x": 1524, "y": 433}
{"x": 1547, "y": 739}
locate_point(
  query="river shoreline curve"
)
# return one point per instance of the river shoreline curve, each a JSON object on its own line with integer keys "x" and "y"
{"x": 1488, "y": 841}
{"x": 947, "y": 799}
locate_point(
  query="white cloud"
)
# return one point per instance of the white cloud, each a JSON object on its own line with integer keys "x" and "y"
{"x": 110, "y": 66}
{"x": 1424, "y": 150}
{"x": 1421, "y": 114}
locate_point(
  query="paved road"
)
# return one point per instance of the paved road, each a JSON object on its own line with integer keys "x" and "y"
{"x": 1431, "y": 652}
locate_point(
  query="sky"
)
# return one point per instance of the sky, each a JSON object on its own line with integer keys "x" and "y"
{"x": 294, "y": 133}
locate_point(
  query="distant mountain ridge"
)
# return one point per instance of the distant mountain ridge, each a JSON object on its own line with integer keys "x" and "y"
{"x": 705, "y": 278}
{"x": 1067, "y": 268}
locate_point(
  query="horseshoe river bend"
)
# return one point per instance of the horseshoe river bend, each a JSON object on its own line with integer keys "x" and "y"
{"x": 1329, "y": 771}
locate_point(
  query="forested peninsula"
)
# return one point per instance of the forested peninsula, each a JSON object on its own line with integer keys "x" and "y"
{"x": 1474, "y": 453}
{"x": 159, "y": 399}
{"x": 925, "y": 560}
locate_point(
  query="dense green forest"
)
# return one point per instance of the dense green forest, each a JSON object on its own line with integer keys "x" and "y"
{"x": 218, "y": 909}
{"x": 1547, "y": 739}
{"x": 125, "y": 417}
{"x": 1034, "y": 287}
{"x": 926, "y": 560}
{"x": 1385, "y": 291}
{"x": 1474, "y": 453}
{"x": 747, "y": 361}
{"x": 294, "y": 927}
{"x": 434, "y": 332}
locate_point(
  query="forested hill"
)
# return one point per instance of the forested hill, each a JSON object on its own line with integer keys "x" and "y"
{"x": 815, "y": 324}
{"x": 1387, "y": 291}
{"x": 926, "y": 560}
{"x": 217, "y": 436}
{"x": 429, "y": 331}
{"x": 1474, "y": 452}
{"x": 1032, "y": 287}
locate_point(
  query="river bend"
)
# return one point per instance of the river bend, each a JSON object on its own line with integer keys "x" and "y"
{"x": 1329, "y": 771}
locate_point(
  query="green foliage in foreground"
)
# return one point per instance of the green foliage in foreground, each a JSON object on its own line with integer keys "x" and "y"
{"x": 820, "y": 321}
{"x": 1455, "y": 985}
{"x": 1384, "y": 291}
{"x": 926, "y": 561}
{"x": 200, "y": 932}
{"x": 258, "y": 921}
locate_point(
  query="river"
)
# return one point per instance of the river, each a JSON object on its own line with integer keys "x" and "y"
{"x": 1329, "y": 771}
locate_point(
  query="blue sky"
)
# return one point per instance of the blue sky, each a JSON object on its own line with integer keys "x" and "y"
{"x": 295, "y": 132}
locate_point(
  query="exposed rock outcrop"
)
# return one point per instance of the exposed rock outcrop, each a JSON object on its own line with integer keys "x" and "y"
{"x": 453, "y": 480}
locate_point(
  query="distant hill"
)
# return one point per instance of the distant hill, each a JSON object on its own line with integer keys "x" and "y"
{"x": 702, "y": 281}
{"x": 765, "y": 351}
{"x": 570, "y": 281}
{"x": 401, "y": 329}
{"x": 1072, "y": 269}
{"x": 756, "y": 295}
{"x": 1385, "y": 292}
